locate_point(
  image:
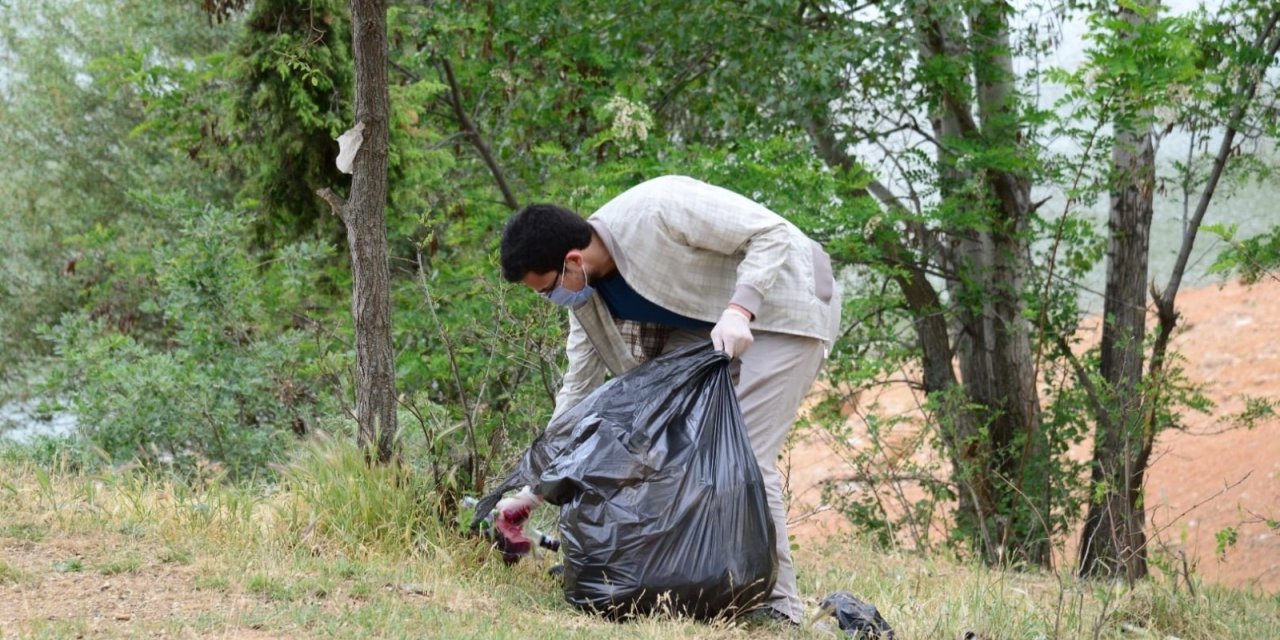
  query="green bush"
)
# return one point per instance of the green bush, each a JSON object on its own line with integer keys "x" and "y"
{"x": 223, "y": 375}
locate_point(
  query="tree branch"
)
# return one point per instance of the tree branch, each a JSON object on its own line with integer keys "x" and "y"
{"x": 1248, "y": 88}
{"x": 936, "y": 42}
{"x": 405, "y": 71}
{"x": 469, "y": 128}
{"x": 920, "y": 294}
{"x": 1008, "y": 187}
{"x": 686, "y": 76}
{"x": 1104, "y": 416}
{"x": 335, "y": 201}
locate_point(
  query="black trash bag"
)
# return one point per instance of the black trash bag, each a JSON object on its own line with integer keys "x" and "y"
{"x": 663, "y": 507}
{"x": 860, "y": 619}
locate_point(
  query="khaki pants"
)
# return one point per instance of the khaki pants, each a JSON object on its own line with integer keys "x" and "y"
{"x": 771, "y": 381}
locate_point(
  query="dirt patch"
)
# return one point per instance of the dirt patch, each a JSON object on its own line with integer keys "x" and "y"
{"x": 1204, "y": 480}
{"x": 1219, "y": 480}
{"x": 60, "y": 584}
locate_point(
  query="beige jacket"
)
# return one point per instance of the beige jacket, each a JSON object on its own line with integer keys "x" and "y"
{"x": 693, "y": 248}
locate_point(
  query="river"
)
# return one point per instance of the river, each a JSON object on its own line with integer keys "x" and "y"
{"x": 22, "y": 423}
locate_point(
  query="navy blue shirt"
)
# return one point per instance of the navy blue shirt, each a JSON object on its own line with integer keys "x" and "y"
{"x": 624, "y": 303}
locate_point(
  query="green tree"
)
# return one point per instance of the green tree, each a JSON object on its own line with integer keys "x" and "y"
{"x": 291, "y": 72}
{"x": 1145, "y": 62}
{"x": 75, "y": 96}
{"x": 172, "y": 340}
{"x": 1114, "y": 530}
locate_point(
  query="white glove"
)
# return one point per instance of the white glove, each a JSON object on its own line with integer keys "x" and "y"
{"x": 732, "y": 334}
{"x": 512, "y": 512}
{"x": 517, "y": 507}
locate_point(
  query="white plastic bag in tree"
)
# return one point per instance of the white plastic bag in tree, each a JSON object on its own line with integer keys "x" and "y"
{"x": 348, "y": 145}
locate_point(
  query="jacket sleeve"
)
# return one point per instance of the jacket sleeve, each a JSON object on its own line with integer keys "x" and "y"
{"x": 586, "y": 369}
{"x": 714, "y": 219}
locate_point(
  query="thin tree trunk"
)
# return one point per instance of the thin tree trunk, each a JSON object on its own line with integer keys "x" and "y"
{"x": 364, "y": 215}
{"x": 990, "y": 265}
{"x": 1113, "y": 541}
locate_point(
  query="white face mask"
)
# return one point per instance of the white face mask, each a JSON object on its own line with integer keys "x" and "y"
{"x": 566, "y": 298}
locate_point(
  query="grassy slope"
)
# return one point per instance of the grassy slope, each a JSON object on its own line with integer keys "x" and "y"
{"x": 339, "y": 551}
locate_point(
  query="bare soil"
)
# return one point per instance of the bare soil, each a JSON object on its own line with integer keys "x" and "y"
{"x": 67, "y": 588}
{"x": 1205, "y": 479}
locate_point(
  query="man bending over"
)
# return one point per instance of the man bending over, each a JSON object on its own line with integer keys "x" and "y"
{"x": 672, "y": 261}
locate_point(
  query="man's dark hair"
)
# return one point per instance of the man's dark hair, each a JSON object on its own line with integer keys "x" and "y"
{"x": 536, "y": 239}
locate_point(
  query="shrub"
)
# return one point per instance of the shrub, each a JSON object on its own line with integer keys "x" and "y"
{"x": 223, "y": 373}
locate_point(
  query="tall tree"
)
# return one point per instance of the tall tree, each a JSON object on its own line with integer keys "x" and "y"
{"x": 77, "y": 85}
{"x": 1130, "y": 406}
{"x": 975, "y": 107}
{"x": 1114, "y": 534}
{"x": 364, "y": 214}
{"x": 291, "y": 72}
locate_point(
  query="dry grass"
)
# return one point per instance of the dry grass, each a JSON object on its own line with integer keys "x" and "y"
{"x": 336, "y": 550}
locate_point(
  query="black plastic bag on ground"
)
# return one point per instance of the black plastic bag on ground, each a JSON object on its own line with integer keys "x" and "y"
{"x": 663, "y": 507}
{"x": 859, "y": 618}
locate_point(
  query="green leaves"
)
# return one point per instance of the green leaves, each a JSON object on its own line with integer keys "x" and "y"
{"x": 291, "y": 78}
{"x": 166, "y": 170}
{"x": 225, "y": 377}
{"x": 1251, "y": 258}
{"x": 1226, "y": 538}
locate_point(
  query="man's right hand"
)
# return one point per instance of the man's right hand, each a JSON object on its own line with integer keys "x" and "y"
{"x": 512, "y": 514}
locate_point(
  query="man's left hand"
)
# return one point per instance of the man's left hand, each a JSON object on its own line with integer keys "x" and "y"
{"x": 732, "y": 334}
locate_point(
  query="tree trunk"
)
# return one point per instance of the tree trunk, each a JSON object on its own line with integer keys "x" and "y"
{"x": 364, "y": 214}
{"x": 988, "y": 262}
{"x": 955, "y": 410}
{"x": 1113, "y": 542}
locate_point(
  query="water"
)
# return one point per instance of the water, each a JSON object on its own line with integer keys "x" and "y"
{"x": 20, "y": 423}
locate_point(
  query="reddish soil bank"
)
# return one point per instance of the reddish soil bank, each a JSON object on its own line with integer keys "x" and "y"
{"x": 1203, "y": 480}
